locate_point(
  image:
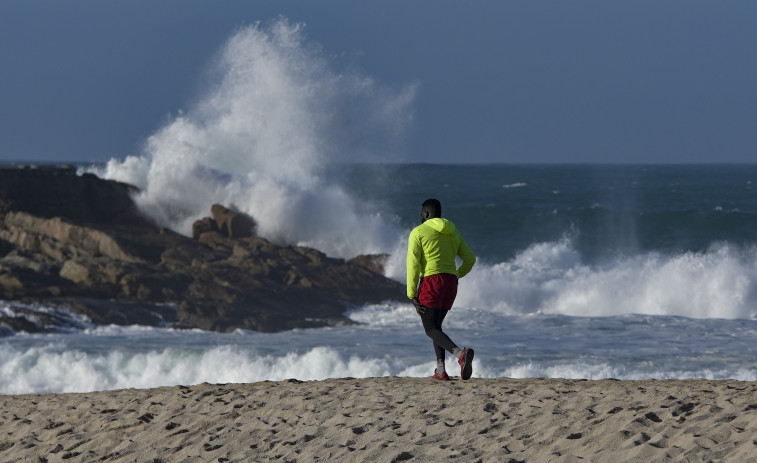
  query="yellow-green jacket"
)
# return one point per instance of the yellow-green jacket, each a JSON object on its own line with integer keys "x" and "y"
{"x": 432, "y": 248}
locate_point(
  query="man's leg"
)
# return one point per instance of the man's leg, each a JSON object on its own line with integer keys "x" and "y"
{"x": 439, "y": 291}
{"x": 432, "y": 324}
{"x": 439, "y": 350}
{"x": 441, "y": 370}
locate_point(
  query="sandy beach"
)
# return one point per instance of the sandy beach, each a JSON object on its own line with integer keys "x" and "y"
{"x": 389, "y": 419}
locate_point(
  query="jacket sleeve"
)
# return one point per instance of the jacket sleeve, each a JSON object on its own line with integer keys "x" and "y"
{"x": 467, "y": 256}
{"x": 414, "y": 256}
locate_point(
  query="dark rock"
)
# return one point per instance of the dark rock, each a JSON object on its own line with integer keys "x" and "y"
{"x": 373, "y": 262}
{"x": 59, "y": 240}
{"x": 203, "y": 226}
{"x": 26, "y": 318}
{"x": 22, "y": 274}
{"x": 154, "y": 286}
{"x": 186, "y": 254}
{"x": 105, "y": 312}
{"x": 60, "y": 192}
{"x": 5, "y": 247}
{"x": 10, "y": 284}
{"x": 232, "y": 224}
{"x": 217, "y": 241}
{"x": 19, "y": 324}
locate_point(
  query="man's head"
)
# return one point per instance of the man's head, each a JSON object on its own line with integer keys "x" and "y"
{"x": 431, "y": 209}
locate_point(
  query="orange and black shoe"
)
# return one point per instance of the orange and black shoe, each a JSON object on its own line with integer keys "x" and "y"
{"x": 466, "y": 363}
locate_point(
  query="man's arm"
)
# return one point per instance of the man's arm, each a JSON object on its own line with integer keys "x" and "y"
{"x": 467, "y": 256}
{"x": 414, "y": 256}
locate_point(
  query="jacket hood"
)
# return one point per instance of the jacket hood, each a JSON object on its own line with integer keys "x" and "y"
{"x": 443, "y": 226}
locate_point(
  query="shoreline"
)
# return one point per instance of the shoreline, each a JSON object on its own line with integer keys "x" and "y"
{"x": 389, "y": 419}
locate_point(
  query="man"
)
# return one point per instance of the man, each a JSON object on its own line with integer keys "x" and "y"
{"x": 431, "y": 254}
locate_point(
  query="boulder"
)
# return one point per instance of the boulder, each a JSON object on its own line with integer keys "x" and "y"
{"x": 57, "y": 238}
{"x": 232, "y": 224}
{"x": 373, "y": 262}
{"x": 10, "y": 284}
{"x": 203, "y": 226}
{"x": 76, "y": 272}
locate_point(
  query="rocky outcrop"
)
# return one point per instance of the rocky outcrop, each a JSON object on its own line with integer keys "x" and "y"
{"x": 373, "y": 262}
{"x": 80, "y": 241}
{"x": 58, "y": 239}
{"x": 231, "y": 223}
{"x": 60, "y": 192}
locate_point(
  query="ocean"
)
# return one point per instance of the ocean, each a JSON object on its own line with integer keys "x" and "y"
{"x": 584, "y": 271}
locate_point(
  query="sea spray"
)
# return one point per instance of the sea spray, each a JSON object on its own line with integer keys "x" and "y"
{"x": 261, "y": 139}
{"x": 551, "y": 278}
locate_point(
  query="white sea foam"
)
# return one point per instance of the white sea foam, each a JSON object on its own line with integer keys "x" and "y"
{"x": 550, "y": 278}
{"x": 53, "y": 368}
{"x": 385, "y": 315}
{"x": 278, "y": 114}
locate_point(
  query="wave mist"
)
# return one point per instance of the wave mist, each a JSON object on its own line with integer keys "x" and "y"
{"x": 277, "y": 117}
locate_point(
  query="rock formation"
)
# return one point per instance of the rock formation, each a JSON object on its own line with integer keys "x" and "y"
{"x": 80, "y": 241}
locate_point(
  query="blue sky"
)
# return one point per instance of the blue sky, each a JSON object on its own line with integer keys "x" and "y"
{"x": 497, "y": 81}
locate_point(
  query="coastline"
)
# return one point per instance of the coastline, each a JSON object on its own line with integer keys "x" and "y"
{"x": 389, "y": 419}
{"x": 81, "y": 242}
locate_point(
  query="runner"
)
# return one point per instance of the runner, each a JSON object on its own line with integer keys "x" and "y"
{"x": 431, "y": 253}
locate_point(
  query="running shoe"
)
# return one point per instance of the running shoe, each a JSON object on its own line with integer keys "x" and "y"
{"x": 442, "y": 377}
{"x": 466, "y": 363}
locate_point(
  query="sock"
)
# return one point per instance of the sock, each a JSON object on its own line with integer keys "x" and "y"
{"x": 456, "y": 352}
{"x": 439, "y": 367}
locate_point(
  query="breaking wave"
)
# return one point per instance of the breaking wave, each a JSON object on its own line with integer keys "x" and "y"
{"x": 551, "y": 278}
{"x": 279, "y": 114}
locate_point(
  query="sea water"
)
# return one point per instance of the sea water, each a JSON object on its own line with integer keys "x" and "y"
{"x": 624, "y": 272}
{"x": 584, "y": 271}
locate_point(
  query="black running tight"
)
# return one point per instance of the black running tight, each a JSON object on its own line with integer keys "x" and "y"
{"x": 432, "y": 323}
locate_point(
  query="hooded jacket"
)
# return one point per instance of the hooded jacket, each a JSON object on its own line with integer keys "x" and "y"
{"x": 432, "y": 248}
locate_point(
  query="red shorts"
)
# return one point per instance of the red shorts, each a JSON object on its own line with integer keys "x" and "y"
{"x": 438, "y": 291}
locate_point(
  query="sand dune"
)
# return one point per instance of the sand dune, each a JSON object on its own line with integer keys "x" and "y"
{"x": 389, "y": 419}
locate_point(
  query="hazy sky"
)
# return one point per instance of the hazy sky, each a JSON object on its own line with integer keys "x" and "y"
{"x": 497, "y": 81}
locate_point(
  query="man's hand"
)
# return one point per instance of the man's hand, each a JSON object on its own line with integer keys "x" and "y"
{"x": 420, "y": 308}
